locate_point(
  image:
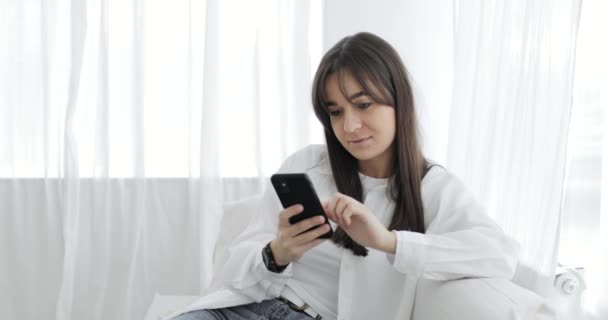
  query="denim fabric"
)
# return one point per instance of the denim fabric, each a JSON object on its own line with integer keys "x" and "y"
{"x": 274, "y": 309}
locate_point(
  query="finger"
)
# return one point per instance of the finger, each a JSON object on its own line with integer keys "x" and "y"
{"x": 328, "y": 212}
{"x": 288, "y": 213}
{"x": 340, "y": 207}
{"x": 296, "y": 229}
{"x": 332, "y": 206}
{"x": 311, "y": 235}
{"x": 348, "y": 212}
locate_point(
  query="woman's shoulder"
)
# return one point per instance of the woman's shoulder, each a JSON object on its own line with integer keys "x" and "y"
{"x": 442, "y": 186}
{"x": 313, "y": 156}
{"x": 439, "y": 178}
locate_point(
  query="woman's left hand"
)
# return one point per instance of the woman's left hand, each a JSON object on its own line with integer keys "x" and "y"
{"x": 359, "y": 223}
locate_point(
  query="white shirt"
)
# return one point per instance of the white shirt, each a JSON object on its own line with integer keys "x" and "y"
{"x": 316, "y": 275}
{"x": 460, "y": 241}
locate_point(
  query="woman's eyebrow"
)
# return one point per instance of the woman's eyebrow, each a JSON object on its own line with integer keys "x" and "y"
{"x": 352, "y": 97}
{"x": 357, "y": 95}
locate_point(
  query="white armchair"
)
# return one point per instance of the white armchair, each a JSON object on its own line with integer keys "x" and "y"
{"x": 471, "y": 298}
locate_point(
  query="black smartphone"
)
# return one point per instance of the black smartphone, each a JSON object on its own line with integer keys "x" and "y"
{"x": 296, "y": 188}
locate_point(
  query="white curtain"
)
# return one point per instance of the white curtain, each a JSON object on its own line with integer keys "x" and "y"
{"x": 585, "y": 210}
{"x": 124, "y": 126}
{"x": 512, "y": 97}
{"x": 597, "y": 303}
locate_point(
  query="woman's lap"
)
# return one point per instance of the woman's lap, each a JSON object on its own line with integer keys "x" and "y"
{"x": 266, "y": 310}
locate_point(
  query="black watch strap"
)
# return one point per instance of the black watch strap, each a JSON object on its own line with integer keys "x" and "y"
{"x": 269, "y": 261}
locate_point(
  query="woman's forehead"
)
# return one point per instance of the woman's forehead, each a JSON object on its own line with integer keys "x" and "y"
{"x": 344, "y": 84}
{"x": 341, "y": 84}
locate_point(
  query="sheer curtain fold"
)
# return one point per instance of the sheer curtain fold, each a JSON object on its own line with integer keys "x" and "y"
{"x": 210, "y": 192}
{"x": 70, "y": 182}
{"x": 600, "y": 285}
{"x": 511, "y": 107}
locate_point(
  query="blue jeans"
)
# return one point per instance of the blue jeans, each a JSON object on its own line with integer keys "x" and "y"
{"x": 274, "y": 309}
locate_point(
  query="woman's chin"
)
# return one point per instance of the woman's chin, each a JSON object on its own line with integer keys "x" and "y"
{"x": 362, "y": 155}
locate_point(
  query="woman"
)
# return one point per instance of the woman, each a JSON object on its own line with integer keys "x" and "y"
{"x": 397, "y": 217}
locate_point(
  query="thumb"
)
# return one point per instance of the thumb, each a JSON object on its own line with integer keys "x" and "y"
{"x": 329, "y": 214}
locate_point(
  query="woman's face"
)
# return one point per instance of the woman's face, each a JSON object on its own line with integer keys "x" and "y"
{"x": 365, "y": 128}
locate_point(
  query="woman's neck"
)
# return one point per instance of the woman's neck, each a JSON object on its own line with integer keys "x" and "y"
{"x": 376, "y": 169}
{"x": 381, "y": 166}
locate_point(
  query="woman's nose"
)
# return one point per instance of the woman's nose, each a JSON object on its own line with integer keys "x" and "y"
{"x": 351, "y": 122}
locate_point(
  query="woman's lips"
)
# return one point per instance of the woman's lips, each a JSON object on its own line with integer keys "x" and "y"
{"x": 360, "y": 142}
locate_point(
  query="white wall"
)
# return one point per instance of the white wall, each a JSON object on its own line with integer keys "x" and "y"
{"x": 421, "y": 31}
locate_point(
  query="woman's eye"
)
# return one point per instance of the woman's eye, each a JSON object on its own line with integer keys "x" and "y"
{"x": 334, "y": 113}
{"x": 364, "y": 105}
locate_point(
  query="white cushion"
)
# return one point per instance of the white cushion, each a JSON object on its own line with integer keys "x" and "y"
{"x": 236, "y": 218}
{"x": 478, "y": 299}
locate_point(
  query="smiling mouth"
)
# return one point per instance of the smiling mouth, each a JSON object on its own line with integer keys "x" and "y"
{"x": 360, "y": 140}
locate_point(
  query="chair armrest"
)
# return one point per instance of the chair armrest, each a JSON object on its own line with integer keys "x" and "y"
{"x": 478, "y": 298}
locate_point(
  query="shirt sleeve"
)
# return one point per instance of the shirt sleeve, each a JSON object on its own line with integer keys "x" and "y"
{"x": 460, "y": 240}
{"x": 245, "y": 271}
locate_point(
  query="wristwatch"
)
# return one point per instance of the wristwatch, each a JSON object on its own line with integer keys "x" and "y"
{"x": 269, "y": 261}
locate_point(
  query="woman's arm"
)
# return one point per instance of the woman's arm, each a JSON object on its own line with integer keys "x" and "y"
{"x": 245, "y": 270}
{"x": 461, "y": 240}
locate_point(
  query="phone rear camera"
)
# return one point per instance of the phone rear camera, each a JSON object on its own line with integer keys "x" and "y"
{"x": 283, "y": 188}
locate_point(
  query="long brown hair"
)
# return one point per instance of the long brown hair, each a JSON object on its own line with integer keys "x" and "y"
{"x": 373, "y": 61}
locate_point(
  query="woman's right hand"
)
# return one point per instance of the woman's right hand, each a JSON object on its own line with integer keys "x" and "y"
{"x": 292, "y": 241}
